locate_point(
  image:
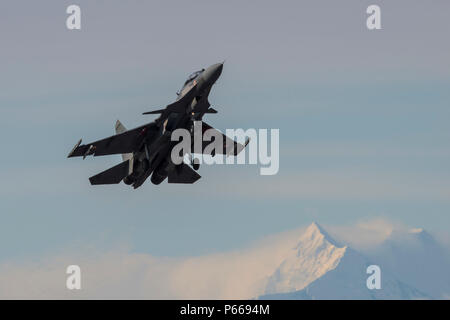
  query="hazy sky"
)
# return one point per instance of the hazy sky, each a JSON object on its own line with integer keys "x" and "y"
{"x": 363, "y": 118}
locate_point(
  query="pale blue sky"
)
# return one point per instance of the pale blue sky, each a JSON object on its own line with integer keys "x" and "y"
{"x": 363, "y": 118}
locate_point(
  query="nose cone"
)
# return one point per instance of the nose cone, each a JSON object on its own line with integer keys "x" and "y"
{"x": 212, "y": 73}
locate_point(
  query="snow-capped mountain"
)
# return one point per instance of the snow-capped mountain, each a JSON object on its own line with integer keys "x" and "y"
{"x": 318, "y": 267}
{"x": 416, "y": 258}
{"x": 315, "y": 254}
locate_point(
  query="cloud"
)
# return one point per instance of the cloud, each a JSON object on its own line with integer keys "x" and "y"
{"x": 365, "y": 234}
{"x": 120, "y": 273}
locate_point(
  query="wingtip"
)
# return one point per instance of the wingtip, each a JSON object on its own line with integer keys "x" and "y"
{"x": 240, "y": 147}
{"x": 74, "y": 148}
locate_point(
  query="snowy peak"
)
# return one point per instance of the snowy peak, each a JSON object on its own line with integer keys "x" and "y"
{"x": 416, "y": 230}
{"x": 317, "y": 267}
{"x": 423, "y": 236}
{"x": 416, "y": 258}
{"x": 315, "y": 254}
{"x": 316, "y": 233}
{"x": 412, "y": 239}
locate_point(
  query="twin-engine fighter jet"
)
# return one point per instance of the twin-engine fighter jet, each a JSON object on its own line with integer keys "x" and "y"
{"x": 146, "y": 150}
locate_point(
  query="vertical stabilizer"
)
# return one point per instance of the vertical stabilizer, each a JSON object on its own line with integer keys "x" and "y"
{"x": 121, "y": 129}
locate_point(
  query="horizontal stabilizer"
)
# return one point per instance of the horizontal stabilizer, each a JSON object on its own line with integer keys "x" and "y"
{"x": 183, "y": 174}
{"x": 112, "y": 175}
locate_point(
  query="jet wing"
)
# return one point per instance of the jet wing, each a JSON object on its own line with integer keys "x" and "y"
{"x": 183, "y": 174}
{"x": 230, "y": 147}
{"x": 125, "y": 142}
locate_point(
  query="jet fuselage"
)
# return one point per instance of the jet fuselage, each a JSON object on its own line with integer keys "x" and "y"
{"x": 154, "y": 156}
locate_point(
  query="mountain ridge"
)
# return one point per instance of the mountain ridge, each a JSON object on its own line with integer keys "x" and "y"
{"x": 319, "y": 267}
{"x": 314, "y": 255}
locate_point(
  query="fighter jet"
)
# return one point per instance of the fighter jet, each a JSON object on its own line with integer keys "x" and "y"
{"x": 146, "y": 150}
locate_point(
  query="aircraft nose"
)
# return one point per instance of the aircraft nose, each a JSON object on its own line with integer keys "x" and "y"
{"x": 212, "y": 73}
{"x": 217, "y": 69}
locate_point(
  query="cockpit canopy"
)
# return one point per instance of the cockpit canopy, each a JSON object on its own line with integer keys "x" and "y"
{"x": 193, "y": 75}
